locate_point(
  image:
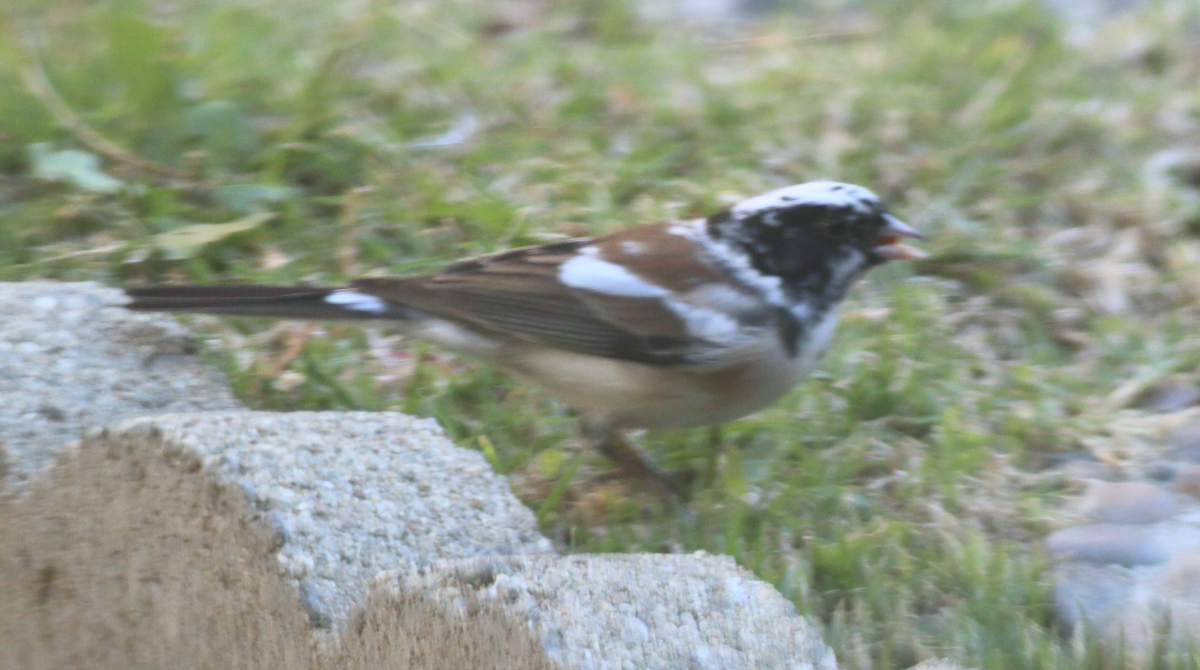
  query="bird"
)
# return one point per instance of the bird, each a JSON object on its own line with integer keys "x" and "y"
{"x": 658, "y": 326}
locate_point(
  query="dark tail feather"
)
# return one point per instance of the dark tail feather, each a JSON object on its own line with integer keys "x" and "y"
{"x": 280, "y": 302}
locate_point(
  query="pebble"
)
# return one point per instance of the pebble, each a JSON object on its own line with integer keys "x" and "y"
{"x": 1084, "y": 470}
{"x": 1127, "y": 502}
{"x": 1096, "y": 594}
{"x": 1083, "y": 466}
{"x": 1182, "y": 576}
{"x": 1170, "y": 396}
{"x": 1187, "y": 480}
{"x": 318, "y": 614}
{"x": 1162, "y": 472}
{"x": 1122, "y": 579}
{"x": 1184, "y": 444}
{"x": 1106, "y": 543}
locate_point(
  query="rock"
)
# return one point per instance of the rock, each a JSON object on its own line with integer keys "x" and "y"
{"x": 1187, "y": 480}
{"x": 1185, "y": 441}
{"x": 355, "y": 493}
{"x": 1173, "y": 167}
{"x": 1082, "y": 466}
{"x": 1161, "y": 471}
{"x": 1170, "y": 396}
{"x": 143, "y": 544}
{"x": 409, "y": 631}
{"x": 1176, "y": 592}
{"x": 1134, "y": 586}
{"x": 1105, "y": 543}
{"x": 72, "y": 359}
{"x": 646, "y": 611}
{"x": 1094, "y": 594}
{"x": 1181, "y": 578}
{"x": 1127, "y": 502}
{"x": 1164, "y": 614}
{"x": 124, "y": 554}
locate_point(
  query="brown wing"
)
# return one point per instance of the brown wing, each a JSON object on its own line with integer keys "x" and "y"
{"x": 518, "y": 294}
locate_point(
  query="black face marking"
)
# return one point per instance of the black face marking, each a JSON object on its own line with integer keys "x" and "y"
{"x": 790, "y": 331}
{"x": 816, "y": 249}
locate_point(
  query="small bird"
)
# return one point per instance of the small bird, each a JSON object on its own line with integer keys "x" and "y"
{"x": 667, "y": 325}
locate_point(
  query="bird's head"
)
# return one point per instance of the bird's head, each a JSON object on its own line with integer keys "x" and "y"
{"x": 817, "y": 237}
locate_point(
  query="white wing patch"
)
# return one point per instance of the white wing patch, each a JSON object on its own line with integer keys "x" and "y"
{"x": 829, "y": 193}
{"x": 722, "y": 297}
{"x": 359, "y": 302}
{"x": 587, "y": 272}
{"x": 707, "y": 324}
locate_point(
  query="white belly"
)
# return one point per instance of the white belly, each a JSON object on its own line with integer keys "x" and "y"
{"x": 636, "y": 395}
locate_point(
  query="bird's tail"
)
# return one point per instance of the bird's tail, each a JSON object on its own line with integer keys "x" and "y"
{"x": 280, "y": 302}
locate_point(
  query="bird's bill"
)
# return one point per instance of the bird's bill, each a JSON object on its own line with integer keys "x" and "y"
{"x": 889, "y": 246}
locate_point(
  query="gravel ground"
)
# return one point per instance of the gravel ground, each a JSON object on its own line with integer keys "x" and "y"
{"x": 646, "y": 611}
{"x": 70, "y": 359}
{"x": 352, "y": 494}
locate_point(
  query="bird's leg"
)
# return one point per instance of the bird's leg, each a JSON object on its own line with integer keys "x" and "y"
{"x": 632, "y": 461}
{"x": 637, "y": 465}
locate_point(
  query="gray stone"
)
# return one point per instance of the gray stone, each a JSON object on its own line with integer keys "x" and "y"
{"x": 1128, "y": 502}
{"x": 1106, "y": 543}
{"x": 1187, "y": 480}
{"x": 1083, "y": 468}
{"x": 128, "y": 553}
{"x": 1091, "y": 594}
{"x": 1174, "y": 597}
{"x": 1162, "y": 471}
{"x": 646, "y": 611}
{"x": 72, "y": 359}
{"x": 351, "y": 494}
{"x": 1185, "y": 442}
{"x": 1170, "y": 396}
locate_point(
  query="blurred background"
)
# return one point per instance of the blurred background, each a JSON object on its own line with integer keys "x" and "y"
{"x": 900, "y": 496}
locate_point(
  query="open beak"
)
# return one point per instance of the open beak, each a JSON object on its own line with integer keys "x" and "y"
{"x": 889, "y": 246}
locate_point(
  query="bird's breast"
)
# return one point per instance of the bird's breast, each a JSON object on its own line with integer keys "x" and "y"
{"x": 628, "y": 394}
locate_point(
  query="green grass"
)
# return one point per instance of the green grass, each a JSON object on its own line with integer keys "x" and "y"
{"x": 895, "y": 496}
